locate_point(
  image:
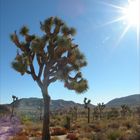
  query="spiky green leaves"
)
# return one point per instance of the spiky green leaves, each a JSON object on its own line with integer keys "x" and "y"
{"x": 24, "y": 30}
{"x": 63, "y": 41}
{"x": 12, "y": 37}
{"x": 81, "y": 86}
{"x": 19, "y": 67}
{"x": 37, "y": 45}
{"x": 86, "y": 102}
{"x": 48, "y": 24}
{"x": 68, "y": 31}
{"x": 77, "y": 59}
{"x": 54, "y": 26}
{"x": 56, "y": 55}
{"x": 21, "y": 63}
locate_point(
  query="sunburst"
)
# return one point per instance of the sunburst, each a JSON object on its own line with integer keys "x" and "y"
{"x": 130, "y": 15}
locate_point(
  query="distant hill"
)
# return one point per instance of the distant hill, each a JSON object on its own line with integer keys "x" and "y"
{"x": 132, "y": 100}
{"x": 34, "y": 104}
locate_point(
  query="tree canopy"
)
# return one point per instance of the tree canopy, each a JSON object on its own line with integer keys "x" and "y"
{"x": 54, "y": 52}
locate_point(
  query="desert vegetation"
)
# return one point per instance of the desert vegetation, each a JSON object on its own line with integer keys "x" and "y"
{"x": 67, "y": 125}
{"x": 56, "y": 56}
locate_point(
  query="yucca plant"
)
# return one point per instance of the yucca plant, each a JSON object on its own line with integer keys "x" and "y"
{"x": 101, "y": 107}
{"x": 56, "y": 56}
{"x": 87, "y": 103}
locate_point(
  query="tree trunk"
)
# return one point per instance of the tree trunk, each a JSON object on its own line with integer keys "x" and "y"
{"x": 46, "y": 117}
{"x": 88, "y": 115}
{"x": 12, "y": 112}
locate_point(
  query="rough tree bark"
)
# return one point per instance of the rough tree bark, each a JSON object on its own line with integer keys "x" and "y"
{"x": 46, "y": 117}
{"x": 88, "y": 115}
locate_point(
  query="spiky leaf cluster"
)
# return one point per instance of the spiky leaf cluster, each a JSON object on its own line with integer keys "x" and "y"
{"x": 55, "y": 53}
{"x": 86, "y": 102}
{"x": 101, "y": 106}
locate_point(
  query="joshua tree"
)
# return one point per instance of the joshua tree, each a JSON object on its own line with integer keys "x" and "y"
{"x": 87, "y": 102}
{"x": 95, "y": 113}
{"x": 13, "y": 104}
{"x": 75, "y": 111}
{"x": 138, "y": 111}
{"x": 48, "y": 58}
{"x": 124, "y": 110}
{"x": 101, "y": 107}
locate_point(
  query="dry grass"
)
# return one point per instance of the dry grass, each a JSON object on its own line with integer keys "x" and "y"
{"x": 119, "y": 128}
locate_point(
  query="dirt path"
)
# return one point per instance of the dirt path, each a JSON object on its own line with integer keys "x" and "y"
{"x": 63, "y": 137}
{"x": 4, "y": 132}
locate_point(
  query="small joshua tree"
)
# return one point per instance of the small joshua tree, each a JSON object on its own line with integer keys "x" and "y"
{"x": 95, "y": 113}
{"x": 13, "y": 104}
{"x": 49, "y": 58}
{"x": 138, "y": 111}
{"x": 101, "y": 107}
{"x": 75, "y": 111}
{"x": 87, "y": 102}
{"x": 124, "y": 110}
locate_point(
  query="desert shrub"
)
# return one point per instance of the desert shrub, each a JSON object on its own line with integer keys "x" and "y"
{"x": 55, "y": 138}
{"x": 113, "y": 113}
{"x": 52, "y": 123}
{"x": 23, "y": 137}
{"x": 58, "y": 131}
{"x": 138, "y": 121}
{"x": 133, "y": 136}
{"x": 137, "y": 137}
{"x": 114, "y": 135}
{"x": 98, "y": 136}
{"x": 95, "y": 127}
{"x": 128, "y": 124}
{"x": 114, "y": 125}
{"x": 25, "y": 119}
{"x": 72, "y": 136}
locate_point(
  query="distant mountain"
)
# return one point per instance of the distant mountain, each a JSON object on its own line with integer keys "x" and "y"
{"x": 34, "y": 104}
{"x": 132, "y": 100}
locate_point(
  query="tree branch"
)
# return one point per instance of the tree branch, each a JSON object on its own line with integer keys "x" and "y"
{"x": 28, "y": 72}
{"x": 52, "y": 80}
{"x": 40, "y": 71}
{"x": 40, "y": 83}
{"x": 33, "y": 72}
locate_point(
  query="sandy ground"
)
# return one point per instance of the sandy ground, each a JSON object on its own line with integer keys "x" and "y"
{"x": 5, "y": 134}
{"x": 63, "y": 137}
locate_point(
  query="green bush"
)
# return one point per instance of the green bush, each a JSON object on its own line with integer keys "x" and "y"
{"x": 114, "y": 135}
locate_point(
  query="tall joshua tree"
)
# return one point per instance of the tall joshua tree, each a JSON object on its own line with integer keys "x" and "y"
{"x": 13, "y": 104}
{"x": 101, "y": 107}
{"x": 56, "y": 56}
{"x": 87, "y": 102}
{"x": 124, "y": 110}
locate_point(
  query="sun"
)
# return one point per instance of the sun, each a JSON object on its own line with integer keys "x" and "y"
{"x": 131, "y": 13}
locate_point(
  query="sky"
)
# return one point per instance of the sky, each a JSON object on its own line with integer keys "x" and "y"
{"x": 113, "y": 68}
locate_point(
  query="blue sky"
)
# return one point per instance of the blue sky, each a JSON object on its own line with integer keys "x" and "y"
{"x": 113, "y": 65}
